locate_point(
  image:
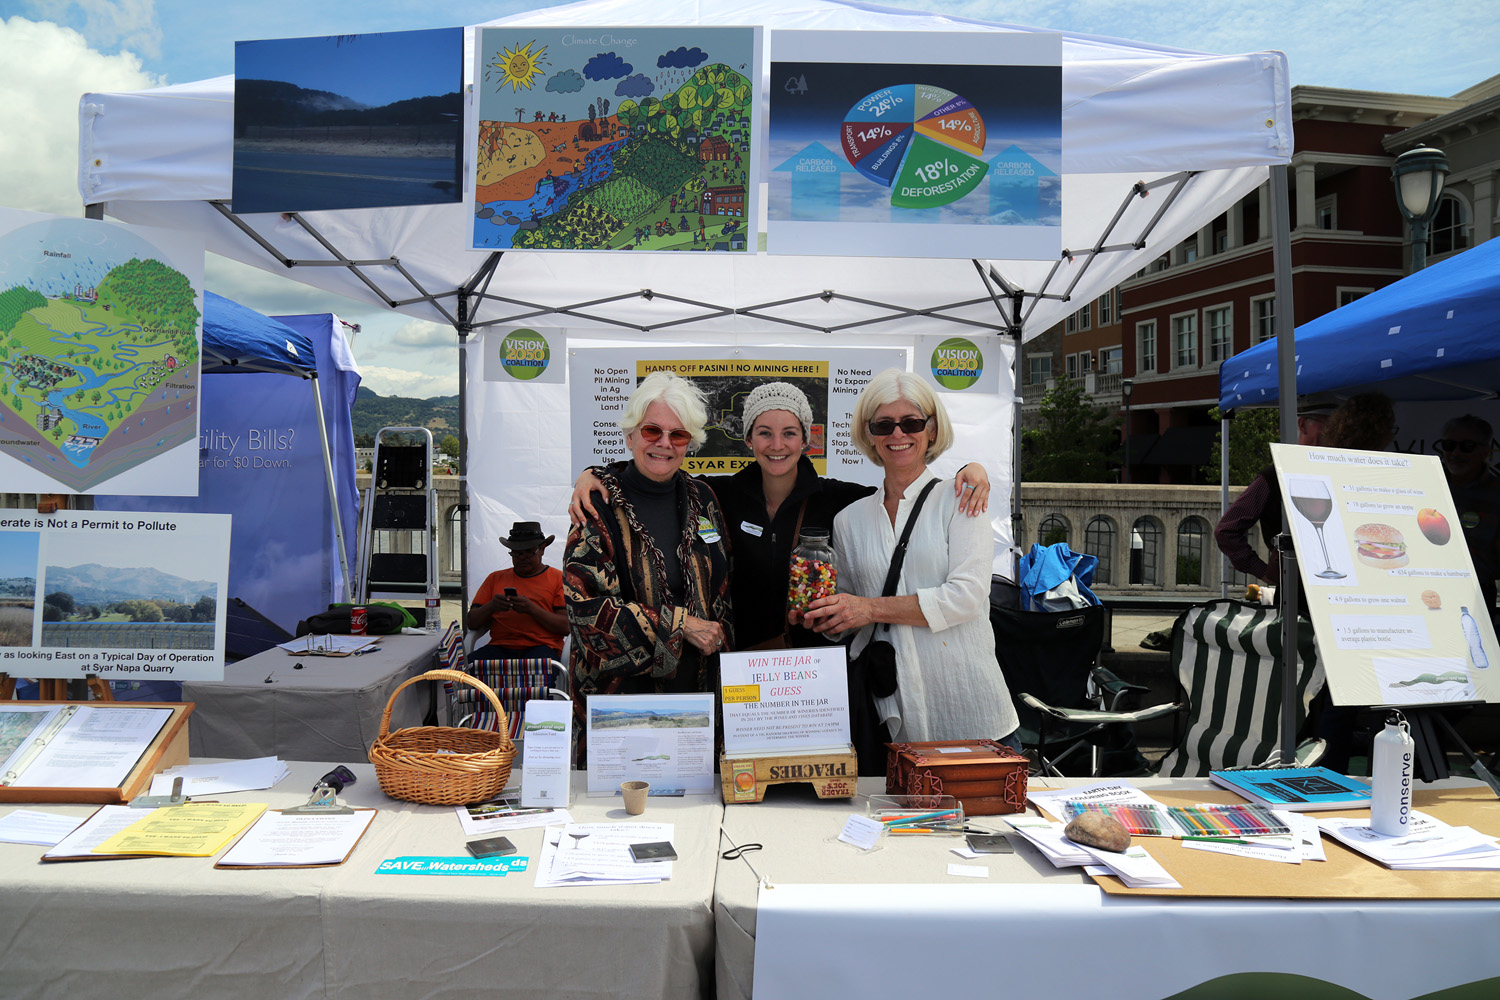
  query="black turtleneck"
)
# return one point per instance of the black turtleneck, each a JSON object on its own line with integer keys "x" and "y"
{"x": 656, "y": 507}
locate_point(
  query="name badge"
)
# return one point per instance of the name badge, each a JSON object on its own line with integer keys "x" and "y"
{"x": 751, "y": 529}
{"x": 706, "y": 531}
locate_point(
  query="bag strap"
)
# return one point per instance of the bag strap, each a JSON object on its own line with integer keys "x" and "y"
{"x": 898, "y": 557}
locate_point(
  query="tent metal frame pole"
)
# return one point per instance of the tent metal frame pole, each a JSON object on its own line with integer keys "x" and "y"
{"x": 333, "y": 491}
{"x": 1286, "y": 356}
{"x": 476, "y": 285}
{"x": 1223, "y": 499}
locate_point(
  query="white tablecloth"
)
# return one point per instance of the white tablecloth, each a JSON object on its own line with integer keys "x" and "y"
{"x": 175, "y": 927}
{"x": 313, "y": 707}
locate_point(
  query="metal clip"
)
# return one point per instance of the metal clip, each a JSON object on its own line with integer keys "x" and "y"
{"x": 157, "y": 801}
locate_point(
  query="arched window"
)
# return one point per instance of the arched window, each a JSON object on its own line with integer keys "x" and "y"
{"x": 1099, "y": 542}
{"x": 1053, "y": 529}
{"x": 1190, "y": 551}
{"x": 455, "y": 538}
{"x": 1145, "y": 552}
{"x": 1450, "y": 226}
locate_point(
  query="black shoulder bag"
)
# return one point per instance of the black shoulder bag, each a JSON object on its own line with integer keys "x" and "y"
{"x": 877, "y": 661}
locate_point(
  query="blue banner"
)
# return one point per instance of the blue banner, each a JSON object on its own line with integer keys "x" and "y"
{"x": 260, "y": 459}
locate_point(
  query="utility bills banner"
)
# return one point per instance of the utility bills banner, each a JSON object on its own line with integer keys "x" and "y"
{"x": 602, "y": 381}
{"x": 122, "y": 596}
{"x": 1391, "y": 589}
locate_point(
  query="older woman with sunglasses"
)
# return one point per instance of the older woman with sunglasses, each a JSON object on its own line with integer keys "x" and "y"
{"x": 949, "y": 683}
{"x": 647, "y": 577}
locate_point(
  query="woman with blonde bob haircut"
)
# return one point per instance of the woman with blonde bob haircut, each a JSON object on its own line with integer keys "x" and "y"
{"x": 949, "y": 685}
{"x": 646, "y": 578}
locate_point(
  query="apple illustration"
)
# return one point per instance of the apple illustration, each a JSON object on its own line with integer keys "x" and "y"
{"x": 1434, "y": 526}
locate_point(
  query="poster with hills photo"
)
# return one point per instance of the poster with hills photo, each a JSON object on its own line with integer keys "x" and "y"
{"x": 121, "y": 596}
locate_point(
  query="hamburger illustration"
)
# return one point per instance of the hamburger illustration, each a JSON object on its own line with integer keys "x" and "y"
{"x": 1380, "y": 545}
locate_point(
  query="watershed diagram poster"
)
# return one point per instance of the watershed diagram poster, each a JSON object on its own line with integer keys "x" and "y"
{"x": 665, "y": 739}
{"x": 627, "y": 138}
{"x": 1395, "y": 603}
{"x": 915, "y": 144}
{"x": 601, "y": 380}
{"x": 100, "y": 329}
{"x": 121, "y": 595}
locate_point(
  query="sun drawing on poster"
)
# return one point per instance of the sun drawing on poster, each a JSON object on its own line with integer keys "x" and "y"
{"x": 520, "y": 66}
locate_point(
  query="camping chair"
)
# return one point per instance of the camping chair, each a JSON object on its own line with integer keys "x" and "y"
{"x": 1227, "y": 655}
{"x": 1067, "y": 703}
{"x": 515, "y": 682}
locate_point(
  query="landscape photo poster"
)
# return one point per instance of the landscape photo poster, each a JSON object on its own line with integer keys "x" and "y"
{"x": 348, "y": 121}
{"x": 1391, "y": 590}
{"x": 625, "y": 138}
{"x": 100, "y": 333}
{"x": 664, "y": 739}
{"x": 915, "y": 144}
{"x": 123, "y": 596}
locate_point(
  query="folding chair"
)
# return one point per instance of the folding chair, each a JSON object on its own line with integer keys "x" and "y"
{"x": 1067, "y": 703}
{"x": 515, "y": 682}
{"x": 1227, "y": 655}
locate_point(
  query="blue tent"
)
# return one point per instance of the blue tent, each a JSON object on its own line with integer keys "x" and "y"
{"x": 237, "y": 338}
{"x": 1432, "y": 335}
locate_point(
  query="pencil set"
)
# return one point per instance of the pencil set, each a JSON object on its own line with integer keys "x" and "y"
{"x": 1138, "y": 820}
{"x": 1236, "y": 820}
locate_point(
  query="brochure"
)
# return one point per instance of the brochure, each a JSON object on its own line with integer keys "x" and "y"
{"x": 1297, "y": 789}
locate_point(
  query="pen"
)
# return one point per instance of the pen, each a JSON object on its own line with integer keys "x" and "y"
{"x": 925, "y": 818}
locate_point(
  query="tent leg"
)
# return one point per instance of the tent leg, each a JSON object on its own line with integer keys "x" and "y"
{"x": 333, "y": 492}
{"x": 1014, "y": 330}
{"x": 1223, "y": 499}
{"x": 1286, "y": 356}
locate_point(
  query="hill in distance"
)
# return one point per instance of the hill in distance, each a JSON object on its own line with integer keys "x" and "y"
{"x": 373, "y": 411}
{"x": 91, "y": 583}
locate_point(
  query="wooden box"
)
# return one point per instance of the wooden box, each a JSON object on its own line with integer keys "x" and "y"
{"x": 985, "y": 776}
{"x": 168, "y": 749}
{"x": 832, "y": 775}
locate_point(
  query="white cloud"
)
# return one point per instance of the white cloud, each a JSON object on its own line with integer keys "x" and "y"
{"x": 401, "y": 382}
{"x": 419, "y": 335}
{"x": 39, "y": 113}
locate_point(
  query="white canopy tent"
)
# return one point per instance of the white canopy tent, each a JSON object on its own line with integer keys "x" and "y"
{"x": 1156, "y": 142}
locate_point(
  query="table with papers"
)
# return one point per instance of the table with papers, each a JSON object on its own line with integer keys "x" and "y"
{"x": 842, "y": 922}
{"x": 310, "y": 707}
{"x": 179, "y": 926}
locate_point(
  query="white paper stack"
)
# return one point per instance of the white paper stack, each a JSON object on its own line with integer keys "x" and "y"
{"x": 1429, "y": 844}
{"x": 599, "y": 854}
{"x": 223, "y": 777}
{"x": 1134, "y": 866}
{"x": 1047, "y": 837}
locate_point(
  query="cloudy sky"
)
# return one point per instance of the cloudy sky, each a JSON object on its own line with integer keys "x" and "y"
{"x": 1405, "y": 46}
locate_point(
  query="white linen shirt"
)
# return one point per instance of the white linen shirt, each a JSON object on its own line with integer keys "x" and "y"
{"x": 950, "y": 685}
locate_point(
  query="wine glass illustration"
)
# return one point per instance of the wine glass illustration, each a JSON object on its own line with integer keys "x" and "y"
{"x": 1311, "y": 499}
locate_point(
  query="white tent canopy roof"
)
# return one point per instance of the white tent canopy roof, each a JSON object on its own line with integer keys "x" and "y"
{"x": 1199, "y": 129}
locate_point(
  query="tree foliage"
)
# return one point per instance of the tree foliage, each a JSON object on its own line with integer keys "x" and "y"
{"x": 1072, "y": 442}
{"x": 15, "y": 302}
{"x": 1251, "y": 434}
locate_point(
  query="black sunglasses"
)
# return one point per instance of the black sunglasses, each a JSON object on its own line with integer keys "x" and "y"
{"x": 653, "y": 433}
{"x": 1448, "y": 444}
{"x": 886, "y": 426}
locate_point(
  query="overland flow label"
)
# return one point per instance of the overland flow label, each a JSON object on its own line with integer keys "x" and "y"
{"x": 921, "y": 141}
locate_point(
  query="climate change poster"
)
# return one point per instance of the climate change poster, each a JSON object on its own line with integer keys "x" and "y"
{"x": 615, "y": 138}
{"x": 99, "y": 370}
{"x": 928, "y": 144}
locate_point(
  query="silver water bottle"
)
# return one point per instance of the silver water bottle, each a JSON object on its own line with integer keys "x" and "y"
{"x": 1391, "y": 760}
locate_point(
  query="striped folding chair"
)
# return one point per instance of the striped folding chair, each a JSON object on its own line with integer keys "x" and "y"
{"x": 515, "y": 682}
{"x": 1228, "y": 660}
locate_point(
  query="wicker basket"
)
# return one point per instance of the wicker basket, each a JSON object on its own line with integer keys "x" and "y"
{"x": 442, "y": 765}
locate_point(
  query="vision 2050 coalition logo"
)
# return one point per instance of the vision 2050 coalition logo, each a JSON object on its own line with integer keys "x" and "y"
{"x": 957, "y": 363}
{"x": 525, "y": 354}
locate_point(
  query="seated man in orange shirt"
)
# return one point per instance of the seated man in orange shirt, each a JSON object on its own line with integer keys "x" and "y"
{"x": 522, "y": 606}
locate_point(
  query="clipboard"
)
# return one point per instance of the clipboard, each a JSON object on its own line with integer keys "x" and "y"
{"x": 220, "y": 865}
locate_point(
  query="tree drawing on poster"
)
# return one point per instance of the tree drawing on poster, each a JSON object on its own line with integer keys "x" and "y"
{"x": 615, "y": 139}
{"x": 99, "y": 341}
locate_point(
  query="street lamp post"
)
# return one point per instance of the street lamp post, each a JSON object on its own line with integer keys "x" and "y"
{"x": 1418, "y": 175}
{"x": 1126, "y": 387}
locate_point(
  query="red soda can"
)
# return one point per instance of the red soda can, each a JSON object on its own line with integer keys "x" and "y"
{"x": 358, "y": 620}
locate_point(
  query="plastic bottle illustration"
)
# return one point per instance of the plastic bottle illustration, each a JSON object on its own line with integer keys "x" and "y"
{"x": 1391, "y": 761}
{"x": 1477, "y": 655}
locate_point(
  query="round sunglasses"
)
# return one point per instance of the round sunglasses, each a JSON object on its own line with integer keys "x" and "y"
{"x": 886, "y": 426}
{"x": 652, "y": 434}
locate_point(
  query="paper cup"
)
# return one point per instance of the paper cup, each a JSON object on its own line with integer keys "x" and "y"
{"x": 635, "y": 796}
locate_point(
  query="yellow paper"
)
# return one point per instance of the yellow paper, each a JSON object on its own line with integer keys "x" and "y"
{"x": 194, "y": 830}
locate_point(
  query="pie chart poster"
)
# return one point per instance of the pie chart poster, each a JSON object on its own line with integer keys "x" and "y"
{"x": 925, "y": 144}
